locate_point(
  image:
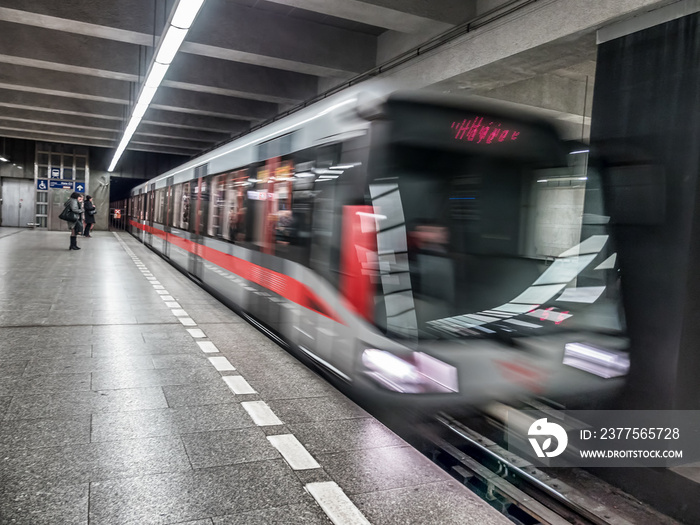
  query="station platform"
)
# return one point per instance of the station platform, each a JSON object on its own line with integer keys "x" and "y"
{"x": 128, "y": 395}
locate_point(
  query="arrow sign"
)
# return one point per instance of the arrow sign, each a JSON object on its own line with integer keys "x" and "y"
{"x": 79, "y": 187}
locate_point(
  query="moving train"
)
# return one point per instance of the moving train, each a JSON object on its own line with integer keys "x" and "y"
{"x": 433, "y": 250}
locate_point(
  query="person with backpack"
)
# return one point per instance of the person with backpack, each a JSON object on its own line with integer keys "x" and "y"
{"x": 73, "y": 215}
{"x": 90, "y": 212}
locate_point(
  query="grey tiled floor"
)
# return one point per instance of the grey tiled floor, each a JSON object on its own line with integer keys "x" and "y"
{"x": 110, "y": 413}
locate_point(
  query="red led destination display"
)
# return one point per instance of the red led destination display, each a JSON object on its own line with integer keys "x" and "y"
{"x": 474, "y": 130}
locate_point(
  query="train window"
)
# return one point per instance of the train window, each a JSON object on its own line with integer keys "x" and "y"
{"x": 200, "y": 206}
{"x": 159, "y": 215}
{"x": 216, "y": 206}
{"x": 148, "y": 206}
{"x": 478, "y": 229}
{"x": 169, "y": 206}
{"x": 181, "y": 206}
{"x": 234, "y": 210}
{"x": 252, "y": 233}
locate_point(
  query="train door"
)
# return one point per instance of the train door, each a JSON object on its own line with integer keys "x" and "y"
{"x": 168, "y": 216}
{"x": 198, "y": 223}
{"x": 150, "y": 208}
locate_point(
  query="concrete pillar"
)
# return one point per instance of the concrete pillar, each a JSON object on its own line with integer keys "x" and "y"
{"x": 99, "y": 189}
{"x": 646, "y": 107}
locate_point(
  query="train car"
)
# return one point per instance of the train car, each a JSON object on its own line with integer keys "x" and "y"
{"x": 433, "y": 250}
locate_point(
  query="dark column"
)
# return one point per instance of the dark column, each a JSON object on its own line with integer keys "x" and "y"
{"x": 646, "y": 109}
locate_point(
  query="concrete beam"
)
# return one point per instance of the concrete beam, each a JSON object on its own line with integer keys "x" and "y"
{"x": 80, "y": 53}
{"x": 74, "y": 56}
{"x": 213, "y": 105}
{"x": 451, "y": 12}
{"x": 172, "y": 132}
{"x": 64, "y": 139}
{"x": 32, "y": 79}
{"x": 129, "y": 16}
{"x": 60, "y": 105}
{"x": 268, "y": 39}
{"x": 98, "y": 137}
{"x": 331, "y": 52}
{"x": 68, "y": 139}
{"x": 150, "y": 140}
{"x": 209, "y": 75}
{"x": 82, "y": 122}
{"x": 551, "y": 92}
{"x": 107, "y": 137}
{"x": 53, "y": 90}
{"x": 57, "y": 129}
{"x": 199, "y": 122}
{"x": 535, "y": 25}
{"x": 404, "y": 16}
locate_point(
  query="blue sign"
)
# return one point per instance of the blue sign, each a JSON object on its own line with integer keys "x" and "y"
{"x": 80, "y": 187}
{"x": 42, "y": 184}
{"x": 55, "y": 173}
{"x": 61, "y": 184}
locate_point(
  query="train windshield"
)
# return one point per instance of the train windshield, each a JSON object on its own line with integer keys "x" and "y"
{"x": 493, "y": 246}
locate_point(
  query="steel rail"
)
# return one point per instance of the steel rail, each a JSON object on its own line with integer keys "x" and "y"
{"x": 458, "y": 429}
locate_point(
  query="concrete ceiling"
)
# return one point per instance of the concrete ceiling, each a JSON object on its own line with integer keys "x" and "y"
{"x": 70, "y": 70}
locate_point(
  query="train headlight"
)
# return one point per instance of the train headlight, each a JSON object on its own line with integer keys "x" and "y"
{"x": 595, "y": 360}
{"x": 423, "y": 374}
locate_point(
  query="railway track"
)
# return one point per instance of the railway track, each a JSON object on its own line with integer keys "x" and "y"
{"x": 521, "y": 491}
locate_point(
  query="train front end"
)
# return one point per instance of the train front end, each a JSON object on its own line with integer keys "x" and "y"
{"x": 496, "y": 274}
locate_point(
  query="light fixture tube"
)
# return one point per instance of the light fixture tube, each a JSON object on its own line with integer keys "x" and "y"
{"x": 170, "y": 45}
{"x": 156, "y": 74}
{"x": 172, "y": 39}
{"x": 186, "y": 12}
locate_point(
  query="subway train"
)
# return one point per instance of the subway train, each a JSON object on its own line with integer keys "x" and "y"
{"x": 418, "y": 248}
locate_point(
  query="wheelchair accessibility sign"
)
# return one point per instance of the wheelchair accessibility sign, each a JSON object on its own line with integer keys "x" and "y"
{"x": 42, "y": 184}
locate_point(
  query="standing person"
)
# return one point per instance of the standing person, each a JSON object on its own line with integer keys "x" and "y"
{"x": 75, "y": 204}
{"x": 90, "y": 212}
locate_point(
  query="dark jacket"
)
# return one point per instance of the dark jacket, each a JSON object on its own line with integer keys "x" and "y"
{"x": 89, "y": 207}
{"x": 75, "y": 207}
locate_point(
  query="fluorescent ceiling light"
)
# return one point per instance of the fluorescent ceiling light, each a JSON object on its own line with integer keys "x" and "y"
{"x": 155, "y": 75}
{"x": 577, "y": 152}
{"x": 170, "y": 44}
{"x": 3, "y": 159}
{"x": 146, "y": 96}
{"x": 186, "y": 13}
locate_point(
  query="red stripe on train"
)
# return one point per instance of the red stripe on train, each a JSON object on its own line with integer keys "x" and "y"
{"x": 278, "y": 283}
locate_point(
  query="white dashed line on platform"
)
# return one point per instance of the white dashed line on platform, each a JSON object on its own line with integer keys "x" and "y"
{"x": 293, "y": 452}
{"x": 221, "y": 363}
{"x": 208, "y": 347}
{"x": 336, "y": 504}
{"x": 261, "y": 414}
{"x": 239, "y": 385}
